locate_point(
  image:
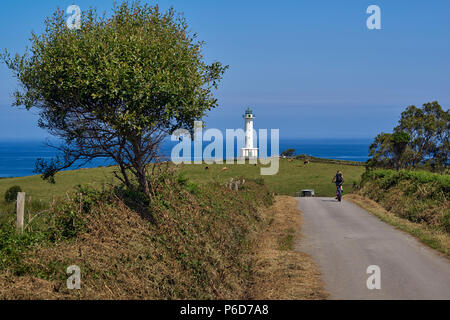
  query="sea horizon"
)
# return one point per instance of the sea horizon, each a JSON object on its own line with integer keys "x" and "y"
{"x": 18, "y": 157}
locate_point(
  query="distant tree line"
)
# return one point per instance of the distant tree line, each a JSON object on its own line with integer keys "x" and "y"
{"x": 288, "y": 153}
{"x": 420, "y": 140}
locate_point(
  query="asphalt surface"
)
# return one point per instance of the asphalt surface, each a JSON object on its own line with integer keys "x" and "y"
{"x": 344, "y": 240}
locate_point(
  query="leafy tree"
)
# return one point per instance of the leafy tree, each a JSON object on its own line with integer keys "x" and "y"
{"x": 399, "y": 142}
{"x": 288, "y": 153}
{"x": 116, "y": 87}
{"x": 390, "y": 151}
{"x": 381, "y": 152}
{"x": 11, "y": 194}
{"x": 420, "y": 139}
{"x": 429, "y": 129}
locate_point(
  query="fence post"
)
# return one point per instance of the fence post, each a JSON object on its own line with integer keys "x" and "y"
{"x": 20, "y": 209}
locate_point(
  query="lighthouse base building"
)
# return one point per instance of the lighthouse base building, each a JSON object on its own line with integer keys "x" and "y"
{"x": 249, "y": 152}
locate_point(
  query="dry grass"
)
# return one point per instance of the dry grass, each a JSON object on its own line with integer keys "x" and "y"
{"x": 280, "y": 272}
{"x": 418, "y": 196}
{"x": 216, "y": 244}
{"x": 110, "y": 255}
{"x": 434, "y": 238}
{"x": 198, "y": 249}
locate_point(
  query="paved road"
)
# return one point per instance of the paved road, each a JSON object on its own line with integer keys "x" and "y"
{"x": 345, "y": 240}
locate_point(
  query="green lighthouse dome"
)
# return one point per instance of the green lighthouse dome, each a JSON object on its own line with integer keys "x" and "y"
{"x": 249, "y": 113}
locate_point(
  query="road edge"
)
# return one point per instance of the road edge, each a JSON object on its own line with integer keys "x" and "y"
{"x": 280, "y": 272}
{"x": 438, "y": 241}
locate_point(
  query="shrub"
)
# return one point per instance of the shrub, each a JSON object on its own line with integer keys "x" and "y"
{"x": 419, "y": 196}
{"x": 391, "y": 178}
{"x": 288, "y": 153}
{"x": 259, "y": 181}
{"x": 198, "y": 246}
{"x": 11, "y": 194}
{"x": 446, "y": 222}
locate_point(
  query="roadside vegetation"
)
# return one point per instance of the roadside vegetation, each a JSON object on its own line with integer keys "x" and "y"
{"x": 195, "y": 238}
{"x": 407, "y": 182}
{"x": 420, "y": 141}
{"x": 429, "y": 236}
{"x": 418, "y": 196}
{"x": 280, "y": 271}
{"x": 189, "y": 242}
{"x": 417, "y": 202}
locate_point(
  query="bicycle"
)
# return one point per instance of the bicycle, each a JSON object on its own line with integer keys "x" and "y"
{"x": 339, "y": 191}
{"x": 339, "y": 180}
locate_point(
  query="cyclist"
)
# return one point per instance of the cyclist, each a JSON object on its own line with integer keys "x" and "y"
{"x": 339, "y": 180}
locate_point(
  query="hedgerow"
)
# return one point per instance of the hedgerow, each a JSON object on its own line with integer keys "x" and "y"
{"x": 418, "y": 196}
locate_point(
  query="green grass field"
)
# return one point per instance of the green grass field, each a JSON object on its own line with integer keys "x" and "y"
{"x": 42, "y": 192}
{"x": 292, "y": 177}
{"x": 65, "y": 181}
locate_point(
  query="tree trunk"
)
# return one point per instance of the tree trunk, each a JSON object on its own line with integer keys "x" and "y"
{"x": 142, "y": 180}
{"x": 125, "y": 175}
{"x": 140, "y": 166}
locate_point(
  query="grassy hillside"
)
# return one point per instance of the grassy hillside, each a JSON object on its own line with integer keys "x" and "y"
{"x": 193, "y": 240}
{"x": 293, "y": 177}
{"x": 66, "y": 181}
{"x": 189, "y": 242}
{"x": 421, "y": 199}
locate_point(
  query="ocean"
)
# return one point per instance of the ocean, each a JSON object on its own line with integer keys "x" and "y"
{"x": 18, "y": 158}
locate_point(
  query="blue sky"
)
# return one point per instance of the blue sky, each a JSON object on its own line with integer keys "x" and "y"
{"x": 310, "y": 68}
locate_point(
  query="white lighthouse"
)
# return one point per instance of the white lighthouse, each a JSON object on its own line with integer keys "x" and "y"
{"x": 249, "y": 151}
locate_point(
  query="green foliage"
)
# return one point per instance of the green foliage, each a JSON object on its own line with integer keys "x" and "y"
{"x": 64, "y": 221}
{"x": 381, "y": 151}
{"x": 429, "y": 128}
{"x": 123, "y": 69}
{"x": 198, "y": 247}
{"x": 192, "y": 188}
{"x": 421, "y": 139}
{"x": 259, "y": 181}
{"x": 184, "y": 181}
{"x": 419, "y": 196}
{"x": 11, "y": 194}
{"x": 67, "y": 223}
{"x": 391, "y": 178}
{"x": 116, "y": 87}
{"x": 400, "y": 141}
{"x": 288, "y": 153}
{"x": 13, "y": 246}
{"x": 401, "y": 138}
{"x": 389, "y": 150}
{"x": 446, "y": 222}
{"x": 182, "y": 178}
